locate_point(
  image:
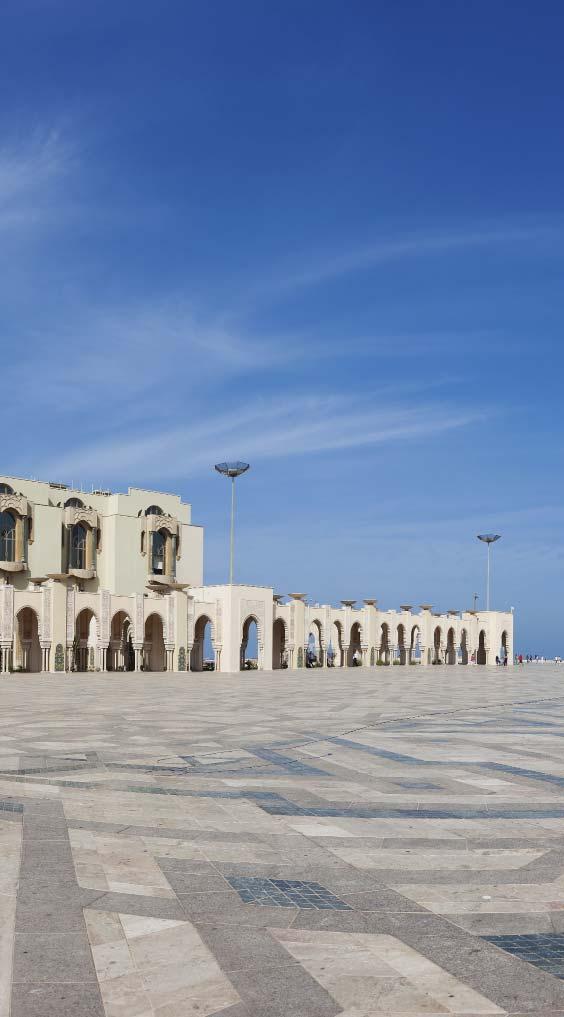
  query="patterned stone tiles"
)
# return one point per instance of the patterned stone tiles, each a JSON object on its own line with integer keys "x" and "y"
{"x": 545, "y": 951}
{"x": 371, "y": 842}
{"x": 286, "y": 893}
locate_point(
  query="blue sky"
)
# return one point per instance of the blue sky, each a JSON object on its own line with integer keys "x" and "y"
{"x": 324, "y": 237}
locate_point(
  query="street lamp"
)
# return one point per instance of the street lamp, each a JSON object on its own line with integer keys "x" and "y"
{"x": 489, "y": 539}
{"x": 232, "y": 470}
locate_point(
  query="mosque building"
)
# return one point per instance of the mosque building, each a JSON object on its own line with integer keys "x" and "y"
{"x": 114, "y": 582}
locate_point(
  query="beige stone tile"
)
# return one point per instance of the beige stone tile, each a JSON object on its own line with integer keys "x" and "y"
{"x": 102, "y": 926}
{"x": 372, "y": 974}
{"x": 113, "y": 960}
{"x": 125, "y": 996}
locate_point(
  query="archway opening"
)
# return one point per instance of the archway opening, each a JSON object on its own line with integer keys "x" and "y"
{"x": 314, "y": 653}
{"x": 354, "y": 658}
{"x": 415, "y": 645}
{"x": 481, "y": 656}
{"x": 335, "y": 647}
{"x": 464, "y": 647}
{"x": 202, "y": 657}
{"x": 154, "y": 654}
{"x": 249, "y": 645}
{"x": 85, "y": 645}
{"x": 438, "y": 646}
{"x": 451, "y": 647}
{"x": 279, "y": 658}
{"x": 504, "y": 651}
{"x": 384, "y": 648}
{"x": 120, "y": 655}
{"x": 402, "y": 649}
{"x": 28, "y": 648}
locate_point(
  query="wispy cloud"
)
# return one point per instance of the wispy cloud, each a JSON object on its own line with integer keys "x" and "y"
{"x": 327, "y": 267}
{"x": 272, "y": 428}
{"x": 30, "y": 175}
{"x": 161, "y": 348}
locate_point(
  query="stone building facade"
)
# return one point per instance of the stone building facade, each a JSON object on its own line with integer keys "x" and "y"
{"x": 112, "y": 582}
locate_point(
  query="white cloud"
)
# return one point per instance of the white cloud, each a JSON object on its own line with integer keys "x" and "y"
{"x": 263, "y": 428}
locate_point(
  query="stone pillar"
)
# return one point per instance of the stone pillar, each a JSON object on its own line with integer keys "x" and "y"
{"x": 89, "y": 547}
{"x": 137, "y": 652}
{"x": 20, "y": 540}
{"x": 424, "y": 658}
{"x": 169, "y": 664}
{"x": 189, "y": 656}
{"x": 345, "y": 654}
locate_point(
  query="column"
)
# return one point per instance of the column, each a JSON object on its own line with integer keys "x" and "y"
{"x": 345, "y": 654}
{"x": 19, "y": 555}
{"x": 137, "y": 652}
{"x": 89, "y": 547}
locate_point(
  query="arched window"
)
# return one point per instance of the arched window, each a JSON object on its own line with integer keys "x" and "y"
{"x": 74, "y": 503}
{"x": 158, "y": 553}
{"x": 154, "y": 510}
{"x": 6, "y": 489}
{"x": 7, "y": 537}
{"x": 78, "y": 547}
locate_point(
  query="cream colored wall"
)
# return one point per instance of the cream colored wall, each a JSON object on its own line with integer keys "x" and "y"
{"x": 120, "y": 566}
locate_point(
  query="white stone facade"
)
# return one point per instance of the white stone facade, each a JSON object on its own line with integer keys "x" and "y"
{"x": 113, "y": 582}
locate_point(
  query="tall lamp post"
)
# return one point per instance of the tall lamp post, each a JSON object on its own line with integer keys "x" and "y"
{"x": 232, "y": 470}
{"x": 489, "y": 539}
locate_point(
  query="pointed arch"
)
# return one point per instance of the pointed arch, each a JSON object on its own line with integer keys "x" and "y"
{"x": 402, "y": 648}
{"x": 203, "y": 629}
{"x": 355, "y": 645}
{"x": 464, "y": 647}
{"x": 482, "y": 655}
{"x": 384, "y": 648}
{"x": 450, "y": 647}
{"x": 279, "y": 658}
{"x": 27, "y": 656}
{"x": 154, "y": 653}
{"x": 249, "y": 633}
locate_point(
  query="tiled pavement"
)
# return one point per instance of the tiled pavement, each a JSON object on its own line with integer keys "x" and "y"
{"x": 366, "y": 842}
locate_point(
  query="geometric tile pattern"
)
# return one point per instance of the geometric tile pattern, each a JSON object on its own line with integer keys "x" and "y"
{"x": 545, "y": 951}
{"x": 400, "y": 832}
{"x": 286, "y": 893}
{"x": 387, "y": 977}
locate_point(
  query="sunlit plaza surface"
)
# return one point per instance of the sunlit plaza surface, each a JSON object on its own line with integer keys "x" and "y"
{"x": 283, "y": 844}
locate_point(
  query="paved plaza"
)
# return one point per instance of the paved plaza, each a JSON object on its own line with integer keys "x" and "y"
{"x": 283, "y": 844}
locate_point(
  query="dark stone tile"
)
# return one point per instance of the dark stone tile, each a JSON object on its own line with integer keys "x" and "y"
{"x": 283, "y": 991}
{"x": 133, "y": 904}
{"x": 42, "y": 826}
{"x": 47, "y": 886}
{"x": 47, "y": 957}
{"x": 381, "y": 900}
{"x": 237, "y": 948}
{"x": 56, "y": 1000}
{"x": 53, "y": 915}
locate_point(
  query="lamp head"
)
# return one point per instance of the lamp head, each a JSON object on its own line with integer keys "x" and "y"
{"x": 232, "y": 469}
{"x": 489, "y": 538}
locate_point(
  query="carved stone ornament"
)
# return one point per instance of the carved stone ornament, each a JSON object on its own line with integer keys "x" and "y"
{"x": 163, "y": 523}
{"x": 78, "y": 514}
{"x": 16, "y": 502}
